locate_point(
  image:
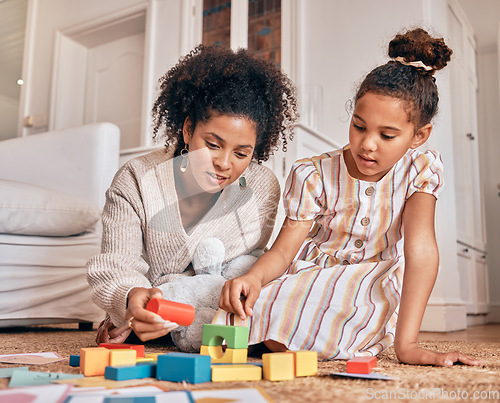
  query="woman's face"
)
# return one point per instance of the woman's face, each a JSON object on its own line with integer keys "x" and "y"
{"x": 220, "y": 150}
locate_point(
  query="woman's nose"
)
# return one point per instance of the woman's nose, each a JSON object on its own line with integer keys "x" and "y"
{"x": 222, "y": 160}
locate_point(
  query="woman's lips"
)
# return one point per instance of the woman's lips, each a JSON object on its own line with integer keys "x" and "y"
{"x": 216, "y": 179}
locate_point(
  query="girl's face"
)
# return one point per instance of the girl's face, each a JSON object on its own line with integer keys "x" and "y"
{"x": 379, "y": 135}
{"x": 220, "y": 150}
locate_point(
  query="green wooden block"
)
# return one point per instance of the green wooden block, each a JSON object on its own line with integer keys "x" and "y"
{"x": 235, "y": 336}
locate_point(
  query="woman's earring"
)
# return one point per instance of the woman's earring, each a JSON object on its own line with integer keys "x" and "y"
{"x": 185, "y": 160}
{"x": 243, "y": 182}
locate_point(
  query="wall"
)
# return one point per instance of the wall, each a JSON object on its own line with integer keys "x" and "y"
{"x": 489, "y": 144}
{"x": 342, "y": 42}
{"x": 49, "y": 16}
{"x": 8, "y": 110}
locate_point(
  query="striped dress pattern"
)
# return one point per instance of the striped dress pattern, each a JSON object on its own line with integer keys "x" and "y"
{"x": 340, "y": 296}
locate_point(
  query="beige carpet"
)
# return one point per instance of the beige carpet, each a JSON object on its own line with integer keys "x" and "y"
{"x": 413, "y": 382}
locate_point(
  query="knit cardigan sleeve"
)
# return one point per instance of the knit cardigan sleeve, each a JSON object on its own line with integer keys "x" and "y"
{"x": 120, "y": 266}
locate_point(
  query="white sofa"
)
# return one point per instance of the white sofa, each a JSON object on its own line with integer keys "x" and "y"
{"x": 52, "y": 190}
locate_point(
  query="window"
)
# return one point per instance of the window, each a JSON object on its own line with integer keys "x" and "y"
{"x": 263, "y": 20}
{"x": 264, "y": 28}
{"x": 216, "y": 22}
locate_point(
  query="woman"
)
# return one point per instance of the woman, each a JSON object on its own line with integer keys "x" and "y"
{"x": 224, "y": 113}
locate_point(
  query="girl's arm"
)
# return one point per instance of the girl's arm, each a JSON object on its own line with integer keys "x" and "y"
{"x": 421, "y": 267}
{"x": 270, "y": 266}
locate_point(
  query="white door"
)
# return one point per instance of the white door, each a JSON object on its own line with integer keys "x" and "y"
{"x": 114, "y": 86}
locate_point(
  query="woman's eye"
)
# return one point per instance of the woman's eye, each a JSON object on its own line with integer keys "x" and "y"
{"x": 241, "y": 155}
{"x": 385, "y": 136}
{"x": 358, "y": 127}
{"x": 211, "y": 145}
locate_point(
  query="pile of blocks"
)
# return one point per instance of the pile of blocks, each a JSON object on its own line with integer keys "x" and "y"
{"x": 126, "y": 361}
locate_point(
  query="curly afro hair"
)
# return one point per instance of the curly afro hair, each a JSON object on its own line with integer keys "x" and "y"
{"x": 214, "y": 80}
{"x": 415, "y": 86}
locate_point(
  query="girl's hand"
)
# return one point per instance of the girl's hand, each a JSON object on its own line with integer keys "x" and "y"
{"x": 238, "y": 295}
{"x": 420, "y": 356}
{"x": 146, "y": 325}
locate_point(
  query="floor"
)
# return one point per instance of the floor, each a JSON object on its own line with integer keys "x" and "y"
{"x": 487, "y": 333}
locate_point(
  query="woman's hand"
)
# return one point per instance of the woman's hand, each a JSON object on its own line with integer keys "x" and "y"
{"x": 146, "y": 325}
{"x": 412, "y": 354}
{"x": 239, "y": 295}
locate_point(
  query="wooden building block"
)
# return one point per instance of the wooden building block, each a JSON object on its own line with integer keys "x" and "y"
{"x": 93, "y": 360}
{"x": 179, "y": 367}
{"x": 154, "y": 356}
{"x": 236, "y": 336}
{"x": 123, "y": 357}
{"x": 236, "y": 372}
{"x": 137, "y": 347}
{"x": 139, "y": 371}
{"x": 230, "y": 356}
{"x": 182, "y": 314}
{"x": 278, "y": 366}
{"x": 305, "y": 362}
{"x": 145, "y": 359}
{"x": 74, "y": 360}
{"x": 361, "y": 365}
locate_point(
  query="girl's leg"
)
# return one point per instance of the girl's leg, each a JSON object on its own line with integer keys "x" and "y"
{"x": 275, "y": 347}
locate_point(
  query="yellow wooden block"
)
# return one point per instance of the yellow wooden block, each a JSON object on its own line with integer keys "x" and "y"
{"x": 230, "y": 356}
{"x": 236, "y": 372}
{"x": 154, "y": 356}
{"x": 306, "y": 362}
{"x": 93, "y": 360}
{"x": 144, "y": 359}
{"x": 278, "y": 366}
{"x": 124, "y": 357}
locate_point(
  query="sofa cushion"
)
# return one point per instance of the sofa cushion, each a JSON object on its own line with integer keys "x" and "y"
{"x": 33, "y": 210}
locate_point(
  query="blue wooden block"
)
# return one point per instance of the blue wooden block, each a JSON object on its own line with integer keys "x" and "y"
{"x": 179, "y": 396}
{"x": 130, "y": 399}
{"x": 179, "y": 367}
{"x": 74, "y": 360}
{"x": 139, "y": 371}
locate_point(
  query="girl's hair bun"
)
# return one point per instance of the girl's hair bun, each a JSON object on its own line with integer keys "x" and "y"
{"x": 417, "y": 45}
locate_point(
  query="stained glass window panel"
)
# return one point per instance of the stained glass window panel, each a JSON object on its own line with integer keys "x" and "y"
{"x": 216, "y": 22}
{"x": 264, "y": 28}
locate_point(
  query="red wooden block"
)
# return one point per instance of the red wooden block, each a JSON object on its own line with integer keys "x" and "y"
{"x": 137, "y": 347}
{"x": 361, "y": 365}
{"x": 182, "y": 314}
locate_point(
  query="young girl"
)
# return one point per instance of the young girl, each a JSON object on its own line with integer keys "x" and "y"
{"x": 222, "y": 113}
{"x": 355, "y": 262}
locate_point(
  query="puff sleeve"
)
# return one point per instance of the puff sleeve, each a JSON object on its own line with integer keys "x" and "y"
{"x": 304, "y": 194}
{"x": 426, "y": 174}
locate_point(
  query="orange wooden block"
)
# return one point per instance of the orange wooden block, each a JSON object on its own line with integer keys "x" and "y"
{"x": 361, "y": 365}
{"x": 93, "y": 360}
{"x": 137, "y": 347}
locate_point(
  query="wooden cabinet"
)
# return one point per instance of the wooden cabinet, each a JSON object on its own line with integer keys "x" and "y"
{"x": 473, "y": 273}
{"x": 471, "y": 234}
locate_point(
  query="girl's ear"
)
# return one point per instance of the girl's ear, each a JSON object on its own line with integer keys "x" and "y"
{"x": 421, "y": 136}
{"x": 187, "y": 130}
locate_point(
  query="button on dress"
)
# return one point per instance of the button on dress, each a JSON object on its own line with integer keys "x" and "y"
{"x": 340, "y": 297}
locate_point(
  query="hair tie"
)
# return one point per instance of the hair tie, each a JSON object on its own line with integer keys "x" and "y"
{"x": 417, "y": 65}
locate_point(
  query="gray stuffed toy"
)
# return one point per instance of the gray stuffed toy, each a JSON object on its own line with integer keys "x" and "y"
{"x": 203, "y": 289}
